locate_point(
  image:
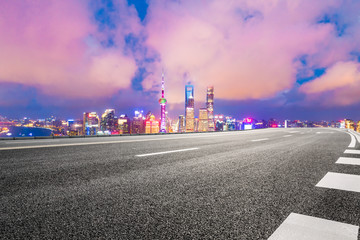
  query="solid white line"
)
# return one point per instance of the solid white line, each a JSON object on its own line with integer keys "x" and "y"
{"x": 32, "y": 141}
{"x": 173, "y": 151}
{"x": 340, "y": 181}
{"x": 347, "y": 160}
{"x": 287, "y": 135}
{"x": 353, "y": 141}
{"x": 356, "y": 134}
{"x": 204, "y": 135}
{"x": 302, "y": 227}
{"x": 258, "y": 140}
{"x": 352, "y": 151}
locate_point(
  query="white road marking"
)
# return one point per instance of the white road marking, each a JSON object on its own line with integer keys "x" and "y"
{"x": 353, "y": 141}
{"x": 347, "y": 160}
{"x": 258, "y": 140}
{"x": 340, "y": 181}
{"x": 173, "y": 151}
{"x": 324, "y": 132}
{"x": 352, "y": 151}
{"x": 32, "y": 141}
{"x": 302, "y": 227}
{"x": 287, "y": 135}
{"x": 120, "y": 141}
{"x": 356, "y": 135}
{"x": 294, "y": 132}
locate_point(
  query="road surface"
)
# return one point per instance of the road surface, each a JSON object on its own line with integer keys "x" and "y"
{"x": 259, "y": 184}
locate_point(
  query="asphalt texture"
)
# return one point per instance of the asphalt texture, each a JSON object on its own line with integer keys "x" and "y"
{"x": 231, "y": 187}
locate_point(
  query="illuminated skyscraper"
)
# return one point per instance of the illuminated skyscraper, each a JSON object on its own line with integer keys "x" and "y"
{"x": 162, "y": 102}
{"x": 181, "y": 123}
{"x": 108, "y": 121}
{"x": 91, "y": 123}
{"x": 123, "y": 124}
{"x": 138, "y": 123}
{"x": 189, "y": 113}
{"x": 210, "y": 107}
{"x": 203, "y": 120}
{"x": 151, "y": 125}
{"x": 189, "y": 108}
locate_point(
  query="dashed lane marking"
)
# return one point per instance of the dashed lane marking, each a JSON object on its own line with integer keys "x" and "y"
{"x": 287, "y": 135}
{"x": 340, "y": 181}
{"x": 173, "y": 151}
{"x": 351, "y": 151}
{"x": 259, "y": 140}
{"x": 347, "y": 160}
{"x": 302, "y": 227}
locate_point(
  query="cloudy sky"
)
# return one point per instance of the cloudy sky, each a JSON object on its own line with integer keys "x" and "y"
{"x": 297, "y": 59}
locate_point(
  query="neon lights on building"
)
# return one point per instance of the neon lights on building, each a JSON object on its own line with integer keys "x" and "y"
{"x": 210, "y": 107}
{"x": 162, "y": 102}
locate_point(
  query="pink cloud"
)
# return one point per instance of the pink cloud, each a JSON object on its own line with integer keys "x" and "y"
{"x": 339, "y": 86}
{"x": 54, "y": 45}
{"x": 246, "y": 49}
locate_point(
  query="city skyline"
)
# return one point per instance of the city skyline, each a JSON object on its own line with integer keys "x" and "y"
{"x": 266, "y": 60}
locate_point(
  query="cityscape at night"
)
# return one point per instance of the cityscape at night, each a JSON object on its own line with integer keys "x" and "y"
{"x": 109, "y": 123}
{"x": 180, "y": 119}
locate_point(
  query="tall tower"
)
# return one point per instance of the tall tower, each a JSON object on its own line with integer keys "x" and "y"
{"x": 210, "y": 107}
{"x": 189, "y": 108}
{"x": 162, "y": 102}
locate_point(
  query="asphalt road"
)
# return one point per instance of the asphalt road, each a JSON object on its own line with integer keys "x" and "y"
{"x": 228, "y": 185}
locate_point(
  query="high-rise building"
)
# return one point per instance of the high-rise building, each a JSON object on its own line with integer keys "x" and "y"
{"x": 152, "y": 125}
{"x": 90, "y": 123}
{"x": 124, "y": 124}
{"x": 181, "y": 124}
{"x": 138, "y": 123}
{"x": 108, "y": 122}
{"x": 210, "y": 107}
{"x": 162, "y": 102}
{"x": 189, "y": 108}
{"x": 203, "y": 120}
{"x": 189, "y": 92}
{"x": 189, "y": 115}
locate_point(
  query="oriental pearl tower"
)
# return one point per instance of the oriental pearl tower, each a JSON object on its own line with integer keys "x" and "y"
{"x": 162, "y": 102}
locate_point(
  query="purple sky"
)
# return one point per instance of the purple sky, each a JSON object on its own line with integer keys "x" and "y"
{"x": 281, "y": 59}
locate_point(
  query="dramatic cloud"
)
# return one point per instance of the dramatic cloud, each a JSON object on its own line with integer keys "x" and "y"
{"x": 340, "y": 85}
{"x": 103, "y": 52}
{"x": 56, "y": 46}
{"x": 246, "y": 49}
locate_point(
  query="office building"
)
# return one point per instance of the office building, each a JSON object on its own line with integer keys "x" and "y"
{"x": 210, "y": 107}
{"x": 138, "y": 123}
{"x": 189, "y": 108}
{"x": 90, "y": 123}
{"x": 189, "y": 115}
{"x": 123, "y": 124}
{"x": 152, "y": 125}
{"x": 181, "y": 126}
{"x": 108, "y": 121}
{"x": 203, "y": 120}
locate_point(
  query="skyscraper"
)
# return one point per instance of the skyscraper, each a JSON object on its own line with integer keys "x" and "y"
{"x": 108, "y": 122}
{"x": 181, "y": 123}
{"x": 91, "y": 123}
{"x": 210, "y": 107}
{"x": 203, "y": 120}
{"x": 162, "y": 102}
{"x": 137, "y": 123}
{"x": 189, "y": 108}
